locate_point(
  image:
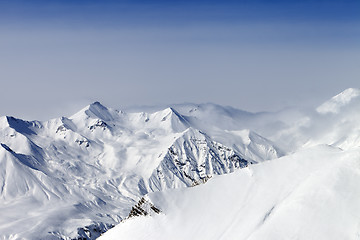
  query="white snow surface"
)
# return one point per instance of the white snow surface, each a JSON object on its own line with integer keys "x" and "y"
{"x": 284, "y": 175}
{"x": 59, "y": 176}
{"x": 337, "y": 102}
{"x": 312, "y": 194}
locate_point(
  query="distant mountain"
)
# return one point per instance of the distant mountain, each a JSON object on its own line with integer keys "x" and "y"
{"x": 79, "y": 175}
{"x": 335, "y": 122}
{"x": 340, "y": 101}
{"x": 310, "y": 193}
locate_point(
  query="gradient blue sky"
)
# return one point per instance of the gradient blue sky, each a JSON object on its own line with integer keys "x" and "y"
{"x": 57, "y": 56}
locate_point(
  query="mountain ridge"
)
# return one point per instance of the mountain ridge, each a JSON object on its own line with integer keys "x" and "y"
{"x": 99, "y": 162}
{"x": 74, "y": 174}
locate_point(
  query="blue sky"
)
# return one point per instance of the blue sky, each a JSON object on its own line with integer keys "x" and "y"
{"x": 57, "y": 56}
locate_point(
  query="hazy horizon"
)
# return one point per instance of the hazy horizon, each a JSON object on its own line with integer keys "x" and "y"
{"x": 59, "y": 56}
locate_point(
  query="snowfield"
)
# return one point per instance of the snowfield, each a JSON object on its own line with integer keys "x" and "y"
{"x": 312, "y": 194}
{"x": 183, "y": 172}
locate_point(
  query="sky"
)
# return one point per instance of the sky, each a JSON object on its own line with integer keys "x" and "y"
{"x": 59, "y": 56}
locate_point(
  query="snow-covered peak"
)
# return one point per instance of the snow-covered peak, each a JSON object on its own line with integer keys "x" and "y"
{"x": 169, "y": 119}
{"x": 253, "y": 145}
{"x": 100, "y": 111}
{"x": 96, "y": 111}
{"x": 337, "y": 102}
{"x": 92, "y": 167}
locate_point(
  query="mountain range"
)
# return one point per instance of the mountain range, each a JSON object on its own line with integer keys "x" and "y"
{"x": 198, "y": 171}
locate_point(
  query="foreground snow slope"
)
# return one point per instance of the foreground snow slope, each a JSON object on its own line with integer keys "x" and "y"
{"x": 312, "y": 194}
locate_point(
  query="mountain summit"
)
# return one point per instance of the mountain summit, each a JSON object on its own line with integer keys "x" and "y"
{"x": 339, "y": 101}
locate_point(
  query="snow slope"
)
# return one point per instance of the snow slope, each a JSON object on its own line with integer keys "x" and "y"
{"x": 339, "y": 101}
{"x": 312, "y": 194}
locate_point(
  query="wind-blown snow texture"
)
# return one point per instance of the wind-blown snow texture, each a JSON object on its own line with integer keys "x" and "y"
{"x": 78, "y": 176}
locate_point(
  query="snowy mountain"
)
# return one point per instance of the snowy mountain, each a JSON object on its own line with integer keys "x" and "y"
{"x": 311, "y": 193}
{"x": 77, "y": 176}
{"x": 335, "y": 122}
{"x": 336, "y": 103}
